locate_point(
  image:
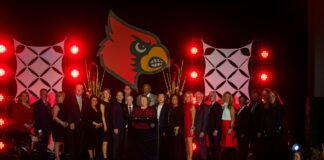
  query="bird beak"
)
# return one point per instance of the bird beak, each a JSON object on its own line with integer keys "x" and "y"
{"x": 156, "y": 59}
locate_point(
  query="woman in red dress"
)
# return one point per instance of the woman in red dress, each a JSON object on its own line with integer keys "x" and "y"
{"x": 189, "y": 118}
{"x": 228, "y": 121}
{"x": 22, "y": 116}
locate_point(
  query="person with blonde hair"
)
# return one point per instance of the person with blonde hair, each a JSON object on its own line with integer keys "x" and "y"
{"x": 189, "y": 121}
{"x": 60, "y": 123}
{"x": 105, "y": 115}
{"x": 228, "y": 120}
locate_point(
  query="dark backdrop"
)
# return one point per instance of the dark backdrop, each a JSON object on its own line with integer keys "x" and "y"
{"x": 279, "y": 26}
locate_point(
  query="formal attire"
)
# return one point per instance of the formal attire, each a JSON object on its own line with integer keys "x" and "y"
{"x": 144, "y": 124}
{"x": 21, "y": 115}
{"x": 152, "y": 99}
{"x": 129, "y": 135}
{"x": 227, "y": 140}
{"x": 58, "y": 130}
{"x": 201, "y": 121}
{"x": 242, "y": 131}
{"x": 118, "y": 122}
{"x": 255, "y": 127}
{"x": 162, "y": 112}
{"x": 106, "y": 136}
{"x": 43, "y": 121}
{"x": 177, "y": 145}
{"x": 214, "y": 124}
{"x": 92, "y": 133}
{"x": 77, "y": 108}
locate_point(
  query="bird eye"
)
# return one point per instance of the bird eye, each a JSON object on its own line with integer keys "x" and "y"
{"x": 140, "y": 47}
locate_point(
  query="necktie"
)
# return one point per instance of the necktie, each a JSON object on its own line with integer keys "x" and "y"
{"x": 129, "y": 110}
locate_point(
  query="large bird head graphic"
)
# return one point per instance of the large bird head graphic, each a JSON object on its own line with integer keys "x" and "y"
{"x": 128, "y": 51}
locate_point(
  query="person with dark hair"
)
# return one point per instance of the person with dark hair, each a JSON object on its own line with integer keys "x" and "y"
{"x": 22, "y": 122}
{"x": 77, "y": 107}
{"x": 117, "y": 126}
{"x": 129, "y": 137}
{"x": 176, "y": 121}
{"x": 43, "y": 121}
{"x": 93, "y": 124}
{"x": 152, "y": 98}
{"x": 59, "y": 123}
{"x": 255, "y": 107}
{"x": 127, "y": 92}
{"x": 144, "y": 124}
{"x": 105, "y": 115}
{"x": 214, "y": 125}
{"x": 241, "y": 128}
{"x": 162, "y": 111}
{"x": 201, "y": 121}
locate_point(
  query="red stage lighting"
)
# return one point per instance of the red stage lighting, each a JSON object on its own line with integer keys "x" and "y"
{"x": 2, "y": 122}
{"x": 194, "y": 146}
{"x": 264, "y": 54}
{"x": 264, "y": 76}
{"x": 75, "y": 73}
{"x": 2, "y": 72}
{"x": 193, "y": 74}
{"x": 3, "y": 48}
{"x": 1, "y": 97}
{"x": 2, "y": 145}
{"x": 74, "y": 49}
{"x": 194, "y": 50}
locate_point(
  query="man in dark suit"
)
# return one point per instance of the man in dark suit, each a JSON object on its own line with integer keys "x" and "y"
{"x": 214, "y": 125}
{"x": 43, "y": 119}
{"x": 118, "y": 125}
{"x": 77, "y": 107}
{"x": 162, "y": 112}
{"x": 241, "y": 128}
{"x": 201, "y": 121}
{"x": 147, "y": 92}
{"x": 128, "y": 143}
{"x": 255, "y": 107}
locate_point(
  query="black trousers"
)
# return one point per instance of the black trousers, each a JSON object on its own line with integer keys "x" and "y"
{"x": 243, "y": 147}
{"x": 117, "y": 145}
{"x": 215, "y": 148}
{"x": 163, "y": 144}
{"x": 75, "y": 145}
{"x": 42, "y": 146}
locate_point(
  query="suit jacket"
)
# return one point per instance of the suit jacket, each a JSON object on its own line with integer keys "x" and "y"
{"x": 42, "y": 115}
{"x": 117, "y": 116}
{"x": 74, "y": 115}
{"x": 255, "y": 117}
{"x": 201, "y": 118}
{"x": 127, "y": 116}
{"x": 242, "y": 121}
{"x": 215, "y": 118}
{"x": 152, "y": 97}
{"x": 163, "y": 119}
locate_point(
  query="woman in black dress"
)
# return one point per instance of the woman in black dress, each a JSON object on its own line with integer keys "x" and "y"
{"x": 176, "y": 120}
{"x": 59, "y": 123}
{"x": 105, "y": 111}
{"x": 93, "y": 124}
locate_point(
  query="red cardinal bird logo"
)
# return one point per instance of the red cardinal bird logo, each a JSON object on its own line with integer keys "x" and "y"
{"x": 128, "y": 51}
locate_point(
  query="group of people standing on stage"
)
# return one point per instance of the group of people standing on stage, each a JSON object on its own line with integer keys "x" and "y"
{"x": 151, "y": 126}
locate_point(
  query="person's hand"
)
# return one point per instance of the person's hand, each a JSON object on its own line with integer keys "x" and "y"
{"x": 229, "y": 131}
{"x": 105, "y": 129}
{"x": 242, "y": 135}
{"x": 201, "y": 134}
{"x": 65, "y": 124}
{"x": 116, "y": 131}
{"x": 40, "y": 133}
{"x": 215, "y": 133}
{"x": 192, "y": 132}
{"x": 72, "y": 126}
{"x": 259, "y": 135}
{"x": 27, "y": 126}
{"x": 176, "y": 131}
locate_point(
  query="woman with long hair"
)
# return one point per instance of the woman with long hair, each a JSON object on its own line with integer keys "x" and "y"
{"x": 93, "y": 124}
{"x": 189, "y": 119}
{"x": 176, "y": 128}
{"x": 228, "y": 121}
{"x": 59, "y": 124}
{"x": 105, "y": 112}
{"x": 22, "y": 114}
